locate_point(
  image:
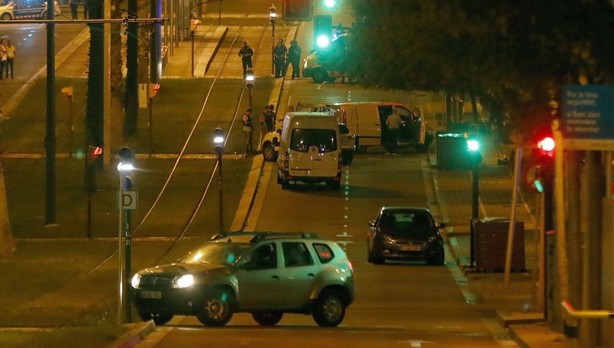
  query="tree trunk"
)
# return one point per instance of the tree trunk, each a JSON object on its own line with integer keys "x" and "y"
{"x": 8, "y": 247}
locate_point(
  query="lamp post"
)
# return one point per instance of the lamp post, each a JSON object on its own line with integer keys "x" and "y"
{"x": 273, "y": 20}
{"x": 218, "y": 140}
{"x": 124, "y": 167}
{"x": 249, "y": 83}
{"x": 473, "y": 148}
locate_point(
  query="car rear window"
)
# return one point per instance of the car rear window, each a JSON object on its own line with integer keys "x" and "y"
{"x": 325, "y": 253}
{"x": 324, "y": 140}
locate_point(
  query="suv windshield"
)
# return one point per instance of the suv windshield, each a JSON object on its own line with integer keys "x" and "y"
{"x": 216, "y": 253}
{"x": 324, "y": 139}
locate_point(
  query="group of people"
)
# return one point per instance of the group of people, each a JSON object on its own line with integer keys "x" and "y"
{"x": 74, "y": 6}
{"x": 283, "y": 57}
{"x": 267, "y": 121}
{"x": 7, "y": 59}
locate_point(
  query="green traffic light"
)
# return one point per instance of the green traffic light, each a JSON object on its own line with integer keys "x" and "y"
{"x": 322, "y": 41}
{"x": 330, "y": 4}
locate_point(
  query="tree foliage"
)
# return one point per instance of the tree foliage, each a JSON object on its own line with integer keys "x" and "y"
{"x": 511, "y": 54}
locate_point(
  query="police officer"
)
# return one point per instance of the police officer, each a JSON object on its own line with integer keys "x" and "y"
{"x": 280, "y": 58}
{"x": 246, "y": 54}
{"x": 294, "y": 57}
{"x": 248, "y": 128}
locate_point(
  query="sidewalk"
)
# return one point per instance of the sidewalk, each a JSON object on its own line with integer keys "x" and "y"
{"x": 514, "y": 303}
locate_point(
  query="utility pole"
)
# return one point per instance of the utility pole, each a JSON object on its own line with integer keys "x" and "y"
{"x": 50, "y": 143}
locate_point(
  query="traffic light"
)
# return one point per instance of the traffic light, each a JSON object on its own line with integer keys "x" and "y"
{"x": 93, "y": 154}
{"x": 126, "y": 159}
{"x": 329, "y": 4}
{"x": 546, "y": 146}
{"x": 473, "y": 149}
{"x": 298, "y": 10}
{"x": 540, "y": 172}
{"x": 322, "y": 31}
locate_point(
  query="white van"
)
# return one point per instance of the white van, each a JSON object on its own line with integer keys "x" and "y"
{"x": 367, "y": 121}
{"x": 309, "y": 150}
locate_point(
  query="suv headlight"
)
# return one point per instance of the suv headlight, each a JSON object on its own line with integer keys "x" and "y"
{"x": 136, "y": 281}
{"x": 184, "y": 281}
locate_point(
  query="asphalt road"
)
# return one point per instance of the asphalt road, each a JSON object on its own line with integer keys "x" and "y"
{"x": 397, "y": 305}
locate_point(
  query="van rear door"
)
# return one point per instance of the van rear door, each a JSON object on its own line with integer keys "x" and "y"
{"x": 314, "y": 153}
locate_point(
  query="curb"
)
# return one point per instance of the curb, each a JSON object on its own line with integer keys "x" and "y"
{"x": 134, "y": 336}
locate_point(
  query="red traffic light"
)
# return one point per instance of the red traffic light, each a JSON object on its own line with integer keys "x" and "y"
{"x": 95, "y": 151}
{"x": 546, "y": 144}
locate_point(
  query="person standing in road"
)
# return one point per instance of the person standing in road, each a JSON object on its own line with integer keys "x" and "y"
{"x": 86, "y": 9}
{"x": 10, "y": 58}
{"x": 280, "y": 58}
{"x": 246, "y": 54}
{"x": 393, "y": 123}
{"x": 267, "y": 119}
{"x": 294, "y": 57}
{"x": 3, "y": 58}
{"x": 74, "y": 5}
{"x": 248, "y": 127}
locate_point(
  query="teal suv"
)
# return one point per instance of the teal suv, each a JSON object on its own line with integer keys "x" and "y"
{"x": 265, "y": 274}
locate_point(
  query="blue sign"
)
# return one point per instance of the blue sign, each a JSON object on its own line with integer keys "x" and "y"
{"x": 588, "y": 112}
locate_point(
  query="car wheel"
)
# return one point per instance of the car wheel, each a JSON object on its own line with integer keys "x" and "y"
{"x": 267, "y": 318}
{"x": 329, "y": 309}
{"x": 335, "y": 185}
{"x": 320, "y": 75}
{"x": 347, "y": 159}
{"x": 158, "y": 318}
{"x": 378, "y": 260}
{"x": 438, "y": 259}
{"x": 268, "y": 151}
{"x": 6, "y": 17}
{"x": 217, "y": 308}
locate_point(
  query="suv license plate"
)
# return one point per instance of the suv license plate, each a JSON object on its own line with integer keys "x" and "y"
{"x": 151, "y": 294}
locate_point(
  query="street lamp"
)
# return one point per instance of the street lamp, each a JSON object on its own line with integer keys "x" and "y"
{"x": 124, "y": 167}
{"x": 218, "y": 141}
{"x": 473, "y": 149}
{"x": 273, "y": 20}
{"x": 249, "y": 83}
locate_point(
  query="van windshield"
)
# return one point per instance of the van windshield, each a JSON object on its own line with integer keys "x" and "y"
{"x": 324, "y": 140}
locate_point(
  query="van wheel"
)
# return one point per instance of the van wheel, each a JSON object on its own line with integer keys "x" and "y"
{"x": 335, "y": 185}
{"x": 347, "y": 158}
{"x": 285, "y": 184}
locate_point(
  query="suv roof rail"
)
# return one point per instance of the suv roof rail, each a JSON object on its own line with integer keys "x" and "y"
{"x": 266, "y": 235}
{"x": 270, "y": 235}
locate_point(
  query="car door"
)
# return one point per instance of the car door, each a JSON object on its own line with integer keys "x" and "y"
{"x": 258, "y": 277}
{"x": 299, "y": 273}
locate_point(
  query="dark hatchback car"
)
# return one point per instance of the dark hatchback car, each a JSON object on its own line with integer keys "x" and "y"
{"x": 407, "y": 234}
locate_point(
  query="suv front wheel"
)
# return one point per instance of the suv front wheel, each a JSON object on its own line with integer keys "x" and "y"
{"x": 329, "y": 309}
{"x": 217, "y": 308}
